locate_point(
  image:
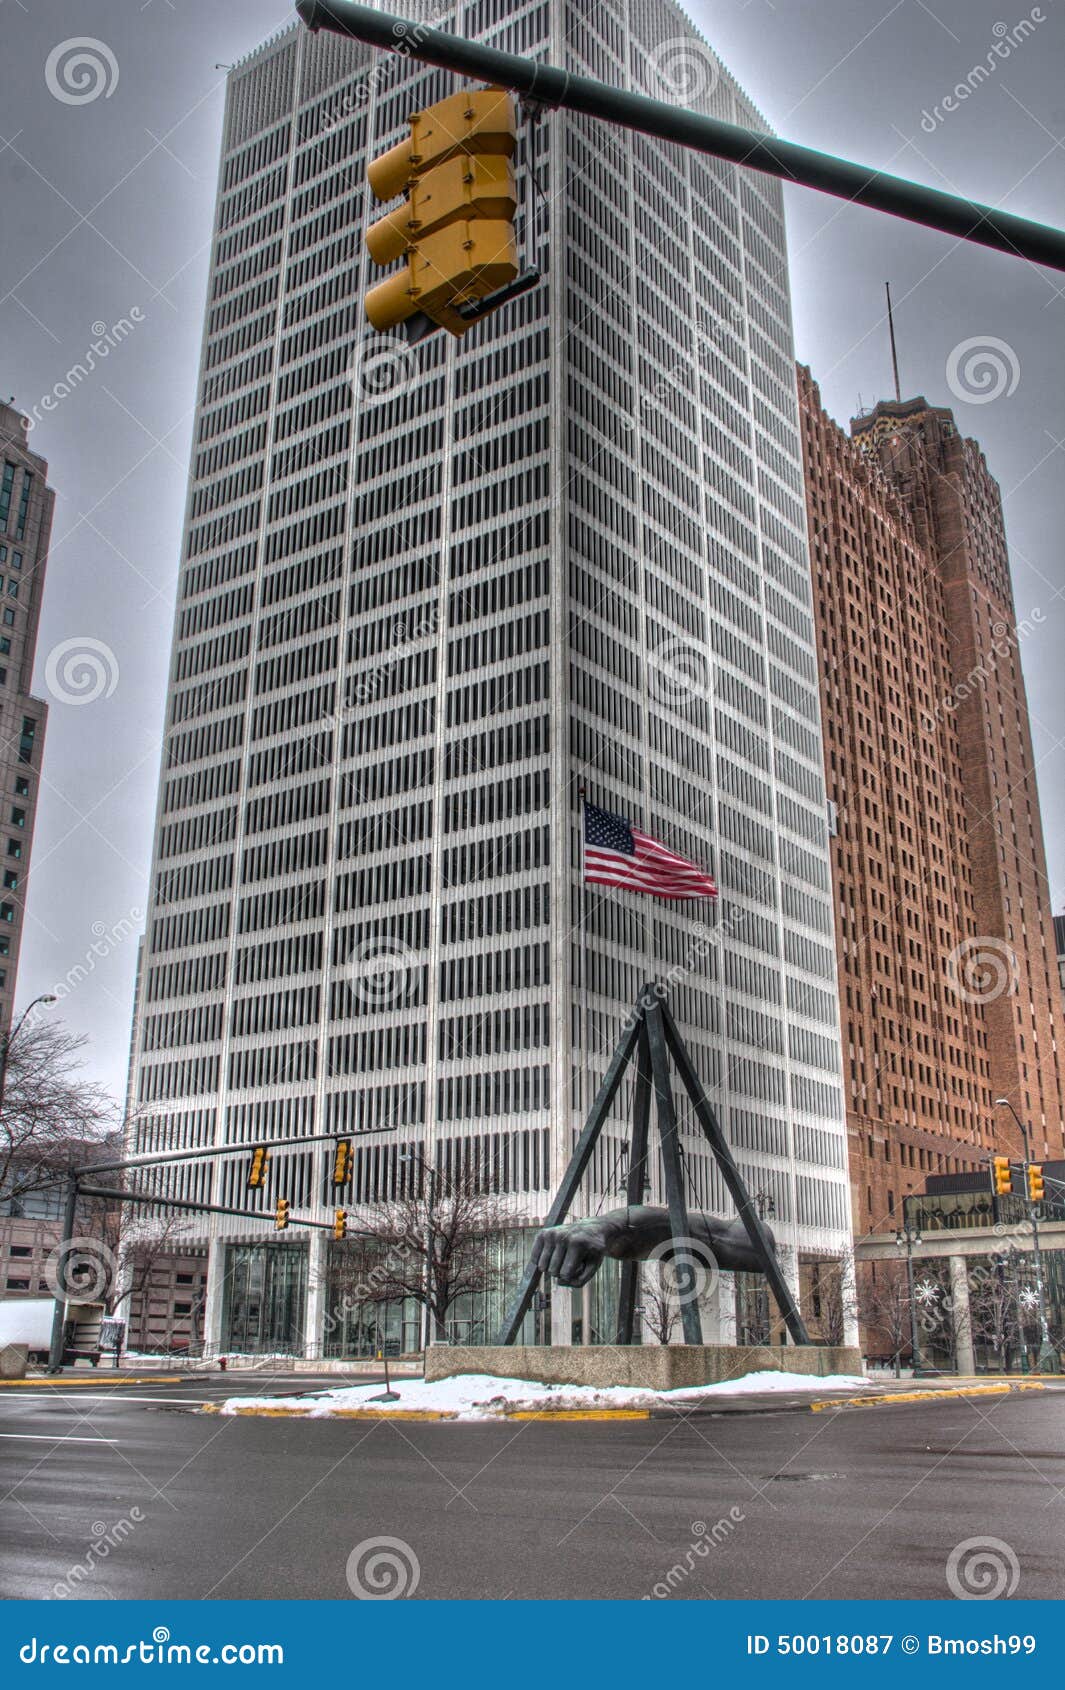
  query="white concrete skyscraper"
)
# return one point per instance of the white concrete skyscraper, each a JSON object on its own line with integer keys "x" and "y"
{"x": 427, "y": 596}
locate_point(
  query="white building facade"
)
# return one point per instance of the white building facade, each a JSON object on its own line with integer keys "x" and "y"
{"x": 429, "y": 596}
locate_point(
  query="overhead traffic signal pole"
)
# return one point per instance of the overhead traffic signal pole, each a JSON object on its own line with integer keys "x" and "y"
{"x": 547, "y": 85}
{"x": 1048, "y": 1355}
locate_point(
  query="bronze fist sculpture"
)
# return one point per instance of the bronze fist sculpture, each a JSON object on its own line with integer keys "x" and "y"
{"x": 572, "y": 1254}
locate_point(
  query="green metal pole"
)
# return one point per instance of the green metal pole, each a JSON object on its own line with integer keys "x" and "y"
{"x": 59, "y": 1313}
{"x": 547, "y": 85}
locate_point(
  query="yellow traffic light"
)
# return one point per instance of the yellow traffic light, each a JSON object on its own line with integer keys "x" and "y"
{"x": 475, "y": 120}
{"x": 461, "y": 188}
{"x": 1036, "y": 1183}
{"x": 257, "y": 1171}
{"x": 342, "y": 1162}
{"x": 281, "y": 1216}
{"x": 1001, "y": 1176}
{"x": 340, "y": 1224}
{"x": 454, "y": 230}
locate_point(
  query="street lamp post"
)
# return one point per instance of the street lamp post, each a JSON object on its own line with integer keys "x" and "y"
{"x": 905, "y": 1239}
{"x": 8, "y": 1039}
{"x": 766, "y": 1204}
{"x": 415, "y": 1156}
{"x": 1047, "y": 1361}
{"x": 62, "y": 1273}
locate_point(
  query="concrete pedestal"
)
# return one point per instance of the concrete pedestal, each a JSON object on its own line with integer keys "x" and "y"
{"x": 659, "y": 1367}
{"x": 14, "y": 1359}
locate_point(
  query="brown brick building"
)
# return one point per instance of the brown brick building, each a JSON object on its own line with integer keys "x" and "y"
{"x": 948, "y": 990}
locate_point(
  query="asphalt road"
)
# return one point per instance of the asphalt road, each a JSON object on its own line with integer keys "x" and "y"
{"x": 129, "y": 1492}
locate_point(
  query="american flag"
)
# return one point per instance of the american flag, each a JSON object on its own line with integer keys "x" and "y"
{"x": 618, "y": 854}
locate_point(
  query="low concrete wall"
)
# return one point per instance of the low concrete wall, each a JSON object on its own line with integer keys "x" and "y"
{"x": 13, "y": 1361}
{"x": 655, "y": 1367}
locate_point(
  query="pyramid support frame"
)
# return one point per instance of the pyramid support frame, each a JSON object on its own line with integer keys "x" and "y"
{"x": 650, "y": 1038}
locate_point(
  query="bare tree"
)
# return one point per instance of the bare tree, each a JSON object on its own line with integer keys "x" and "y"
{"x": 50, "y": 1117}
{"x": 433, "y": 1245}
{"x": 993, "y": 1311}
{"x": 658, "y": 1305}
{"x": 360, "y": 1282}
{"x": 833, "y": 1297}
{"x": 145, "y": 1247}
{"x": 884, "y": 1305}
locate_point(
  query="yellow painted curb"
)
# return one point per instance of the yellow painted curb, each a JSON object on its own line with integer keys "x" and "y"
{"x": 57, "y": 1383}
{"x": 266, "y": 1413}
{"x": 577, "y": 1414}
{"x": 429, "y": 1414}
{"x": 924, "y": 1396}
{"x": 303, "y": 1412}
{"x": 396, "y": 1414}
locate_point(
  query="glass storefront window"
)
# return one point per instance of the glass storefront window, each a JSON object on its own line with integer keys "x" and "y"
{"x": 358, "y": 1324}
{"x": 265, "y": 1304}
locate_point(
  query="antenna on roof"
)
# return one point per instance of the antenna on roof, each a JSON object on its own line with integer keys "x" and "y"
{"x": 891, "y": 332}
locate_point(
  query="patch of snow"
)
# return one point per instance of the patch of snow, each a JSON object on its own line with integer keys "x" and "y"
{"x": 486, "y": 1396}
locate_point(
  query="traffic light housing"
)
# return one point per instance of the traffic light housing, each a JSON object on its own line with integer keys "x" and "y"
{"x": 455, "y": 228}
{"x": 342, "y": 1162}
{"x": 340, "y": 1224}
{"x": 1036, "y": 1183}
{"x": 257, "y": 1171}
{"x": 281, "y": 1216}
{"x": 1001, "y": 1176}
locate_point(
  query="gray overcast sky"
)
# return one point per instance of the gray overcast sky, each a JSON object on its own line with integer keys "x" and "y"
{"x": 106, "y": 208}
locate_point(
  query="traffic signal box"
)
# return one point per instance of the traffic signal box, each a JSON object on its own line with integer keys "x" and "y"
{"x": 342, "y": 1162}
{"x": 1036, "y": 1184}
{"x": 257, "y": 1171}
{"x": 340, "y": 1224}
{"x": 1001, "y": 1176}
{"x": 281, "y": 1215}
{"x": 455, "y": 228}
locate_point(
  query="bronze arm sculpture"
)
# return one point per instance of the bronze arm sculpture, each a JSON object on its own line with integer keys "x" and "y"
{"x": 572, "y": 1254}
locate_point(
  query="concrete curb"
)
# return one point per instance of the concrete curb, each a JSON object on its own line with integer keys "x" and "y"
{"x": 577, "y": 1414}
{"x": 924, "y": 1396}
{"x": 666, "y": 1411}
{"x": 56, "y": 1382}
{"x": 300, "y": 1412}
